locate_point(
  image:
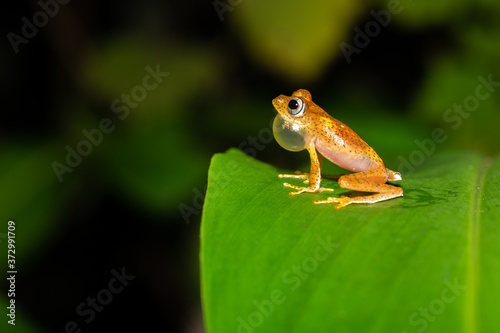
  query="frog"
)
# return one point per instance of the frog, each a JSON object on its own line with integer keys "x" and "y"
{"x": 301, "y": 124}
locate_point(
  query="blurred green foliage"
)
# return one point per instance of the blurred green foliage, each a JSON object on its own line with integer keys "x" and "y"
{"x": 293, "y": 39}
{"x": 160, "y": 151}
{"x": 154, "y": 156}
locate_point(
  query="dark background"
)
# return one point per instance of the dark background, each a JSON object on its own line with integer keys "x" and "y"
{"x": 134, "y": 202}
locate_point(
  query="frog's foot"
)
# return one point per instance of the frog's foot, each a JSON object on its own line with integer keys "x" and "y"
{"x": 301, "y": 189}
{"x": 342, "y": 201}
{"x": 297, "y": 175}
{"x": 367, "y": 181}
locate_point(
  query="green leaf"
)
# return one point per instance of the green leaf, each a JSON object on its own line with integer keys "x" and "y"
{"x": 427, "y": 261}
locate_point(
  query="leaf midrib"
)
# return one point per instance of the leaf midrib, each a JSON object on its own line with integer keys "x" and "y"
{"x": 473, "y": 255}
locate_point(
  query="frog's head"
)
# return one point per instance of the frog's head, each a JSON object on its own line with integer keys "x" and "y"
{"x": 294, "y": 108}
{"x": 292, "y": 125}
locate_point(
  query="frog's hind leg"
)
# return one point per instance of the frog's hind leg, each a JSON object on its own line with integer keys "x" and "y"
{"x": 366, "y": 181}
{"x": 393, "y": 175}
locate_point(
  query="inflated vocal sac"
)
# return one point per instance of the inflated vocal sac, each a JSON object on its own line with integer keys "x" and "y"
{"x": 290, "y": 136}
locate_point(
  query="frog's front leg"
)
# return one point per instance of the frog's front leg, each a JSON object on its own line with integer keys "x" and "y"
{"x": 303, "y": 175}
{"x": 314, "y": 175}
{"x": 366, "y": 181}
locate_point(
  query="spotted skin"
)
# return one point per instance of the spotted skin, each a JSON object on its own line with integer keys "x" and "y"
{"x": 328, "y": 137}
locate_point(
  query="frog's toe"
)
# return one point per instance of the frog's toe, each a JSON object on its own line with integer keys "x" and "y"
{"x": 291, "y": 186}
{"x": 328, "y": 200}
{"x": 298, "y": 188}
{"x": 341, "y": 202}
{"x": 296, "y": 175}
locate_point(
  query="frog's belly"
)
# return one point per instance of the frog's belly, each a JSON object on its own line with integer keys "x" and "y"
{"x": 352, "y": 161}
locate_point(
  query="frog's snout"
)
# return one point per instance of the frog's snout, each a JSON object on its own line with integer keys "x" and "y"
{"x": 279, "y": 101}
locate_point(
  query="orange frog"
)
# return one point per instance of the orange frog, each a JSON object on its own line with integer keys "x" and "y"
{"x": 301, "y": 124}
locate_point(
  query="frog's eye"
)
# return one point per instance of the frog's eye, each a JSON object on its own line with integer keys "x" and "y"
{"x": 296, "y": 107}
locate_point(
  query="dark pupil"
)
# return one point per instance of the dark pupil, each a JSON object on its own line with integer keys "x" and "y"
{"x": 293, "y": 104}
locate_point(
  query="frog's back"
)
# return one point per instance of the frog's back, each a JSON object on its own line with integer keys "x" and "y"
{"x": 342, "y": 146}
